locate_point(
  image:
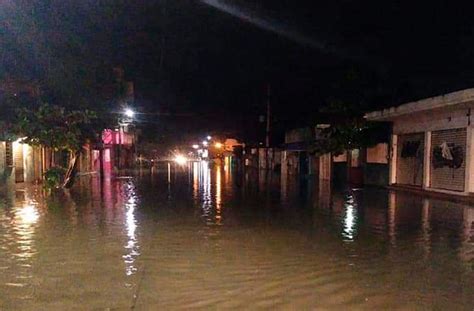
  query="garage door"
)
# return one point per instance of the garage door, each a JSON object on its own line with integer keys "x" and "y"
{"x": 448, "y": 159}
{"x": 410, "y": 150}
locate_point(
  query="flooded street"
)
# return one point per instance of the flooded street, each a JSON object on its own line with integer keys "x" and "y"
{"x": 213, "y": 238}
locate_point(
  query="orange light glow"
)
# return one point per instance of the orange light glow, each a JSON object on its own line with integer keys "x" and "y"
{"x": 180, "y": 159}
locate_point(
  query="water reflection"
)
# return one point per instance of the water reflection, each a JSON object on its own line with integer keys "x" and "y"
{"x": 294, "y": 246}
{"x": 25, "y": 219}
{"x": 28, "y": 214}
{"x": 206, "y": 196}
{"x": 218, "y": 196}
{"x": 19, "y": 220}
{"x": 132, "y": 246}
{"x": 349, "y": 218}
{"x": 196, "y": 174}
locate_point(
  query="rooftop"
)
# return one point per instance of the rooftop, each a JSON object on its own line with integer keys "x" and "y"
{"x": 432, "y": 103}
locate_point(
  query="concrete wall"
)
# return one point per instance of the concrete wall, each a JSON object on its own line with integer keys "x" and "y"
{"x": 2, "y": 158}
{"x": 431, "y": 121}
{"x": 325, "y": 167}
{"x": 340, "y": 158}
{"x": 378, "y": 154}
{"x": 376, "y": 170}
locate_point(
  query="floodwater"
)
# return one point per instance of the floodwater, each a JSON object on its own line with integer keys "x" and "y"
{"x": 213, "y": 238}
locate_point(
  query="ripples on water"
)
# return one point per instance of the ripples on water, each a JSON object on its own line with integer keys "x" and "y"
{"x": 216, "y": 237}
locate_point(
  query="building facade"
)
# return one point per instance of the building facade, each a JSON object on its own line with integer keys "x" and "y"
{"x": 432, "y": 143}
{"x": 296, "y": 158}
{"x": 20, "y": 162}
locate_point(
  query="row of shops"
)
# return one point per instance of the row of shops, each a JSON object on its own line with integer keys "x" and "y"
{"x": 430, "y": 148}
{"x": 369, "y": 166}
{"x": 24, "y": 163}
{"x": 431, "y": 145}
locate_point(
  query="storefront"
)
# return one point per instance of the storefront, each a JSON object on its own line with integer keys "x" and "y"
{"x": 431, "y": 144}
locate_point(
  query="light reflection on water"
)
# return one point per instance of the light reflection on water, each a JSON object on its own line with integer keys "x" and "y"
{"x": 205, "y": 184}
{"x": 132, "y": 247}
{"x": 350, "y": 219}
{"x": 279, "y": 243}
{"x": 18, "y": 226}
{"x": 218, "y": 200}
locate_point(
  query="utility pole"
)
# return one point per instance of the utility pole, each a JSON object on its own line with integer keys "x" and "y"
{"x": 267, "y": 137}
{"x": 267, "y": 132}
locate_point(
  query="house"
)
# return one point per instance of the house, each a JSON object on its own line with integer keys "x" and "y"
{"x": 118, "y": 149}
{"x": 365, "y": 166}
{"x": 118, "y": 144}
{"x": 269, "y": 159}
{"x": 18, "y": 162}
{"x": 296, "y": 158}
{"x": 432, "y": 143}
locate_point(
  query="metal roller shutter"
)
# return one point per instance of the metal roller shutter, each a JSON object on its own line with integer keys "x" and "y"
{"x": 410, "y": 168}
{"x": 447, "y": 176}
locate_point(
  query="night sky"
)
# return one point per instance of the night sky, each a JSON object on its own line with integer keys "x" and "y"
{"x": 198, "y": 69}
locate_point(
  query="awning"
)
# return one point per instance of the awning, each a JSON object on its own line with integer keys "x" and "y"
{"x": 459, "y": 99}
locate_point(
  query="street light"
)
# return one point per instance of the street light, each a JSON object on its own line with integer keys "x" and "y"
{"x": 124, "y": 120}
{"x": 205, "y": 143}
{"x": 180, "y": 159}
{"x": 218, "y": 145}
{"x": 129, "y": 113}
{"x": 209, "y": 137}
{"x": 195, "y": 146}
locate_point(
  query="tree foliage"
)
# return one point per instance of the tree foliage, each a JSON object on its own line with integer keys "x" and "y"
{"x": 351, "y": 134}
{"x": 57, "y": 128}
{"x": 349, "y": 130}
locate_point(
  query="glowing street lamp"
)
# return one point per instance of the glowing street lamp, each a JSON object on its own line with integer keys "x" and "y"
{"x": 180, "y": 159}
{"x": 209, "y": 137}
{"x": 218, "y": 145}
{"x": 195, "y": 146}
{"x": 129, "y": 113}
{"x": 205, "y": 143}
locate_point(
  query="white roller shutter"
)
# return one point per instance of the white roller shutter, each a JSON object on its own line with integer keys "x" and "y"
{"x": 410, "y": 165}
{"x": 446, "y": 173}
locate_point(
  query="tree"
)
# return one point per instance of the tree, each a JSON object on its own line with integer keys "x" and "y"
{"x": 64, "y": 47}
{"x": 350, "y": 134}
{"x": 354, "y": 95}
{"x": 59, "y": 129}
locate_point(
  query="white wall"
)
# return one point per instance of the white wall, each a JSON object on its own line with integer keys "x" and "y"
{"x": 428, "y": 122}
{"x": 2, "y": 157}
{"x": 28, "y": 163}
{"x": 325, "y": 166}
{"x": 340, "y": 158}
{"x": 432, "y": 121}
{"x": 378, "y": 154}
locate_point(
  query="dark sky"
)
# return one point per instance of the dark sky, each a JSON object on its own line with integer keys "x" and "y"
{"x": 215, "y": 65}
{"x": 208, "y": 68}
